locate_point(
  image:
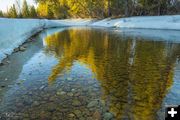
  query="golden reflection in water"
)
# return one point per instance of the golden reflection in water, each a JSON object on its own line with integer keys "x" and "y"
{"x": 133, "y": 89}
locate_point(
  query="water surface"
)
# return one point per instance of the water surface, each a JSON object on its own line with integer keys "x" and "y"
{"x": 90, "y": 73}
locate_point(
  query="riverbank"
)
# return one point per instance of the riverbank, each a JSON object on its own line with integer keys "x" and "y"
{"x": 148, "y": 22}
{"x": 14, "y": 32}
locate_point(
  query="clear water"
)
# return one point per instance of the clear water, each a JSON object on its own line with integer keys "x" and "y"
{"x": 88, "y": 74}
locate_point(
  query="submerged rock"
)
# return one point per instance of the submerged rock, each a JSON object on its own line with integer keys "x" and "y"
{"x": 93, "y": 103}
{"x": 60, "y": 93}
{"x": 8, "y": 62}
{"x": 42, "y": 87}
{"x": 52, "y": 108}
{"x": 70, "y": 94}
{"x": 77, "y": 112}
{"x": 97, "y": 115}
{"x": 76, "y": 103}
{"x": 36, "y": 103}
{"x": 73, "y": 90}
{"x": 16, "y": 49}
{"x": 71, "y": 115}
{"x": 108, "y": 116}
{"x": 69, "y": 79}
{"x": 22, "y": 48}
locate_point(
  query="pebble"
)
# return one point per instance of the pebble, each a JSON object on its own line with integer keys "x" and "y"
{"x": 71, "y": 115}
{"x": 93, "y": 103}
{"x": 69, "y": 78}
{"x": 20, "y": 82}
{"x": 61, "y": 93}
{"x": 45, "y": 115}
{"x": 36, "y": 103}
{"x": 76, "y": 103}
{"x": 42, "y": 87}
{"x": 108, "y": 116}
{"x": 19, "y": 105}
{"x": 97, "y": 115}
{"x": 22, "y": 48}
{"x": 30, "y": 93}
{"x": 53, "y": 98}
{"x": 70, "y": 94}
{"x": 8, "y": 62}
{"x": 78, "y": 113}
{"x": 72, "y": 90}
{"x": 77, "y": 94}
{"x": 52, "y": 109}
{"x": 16, "y": 49}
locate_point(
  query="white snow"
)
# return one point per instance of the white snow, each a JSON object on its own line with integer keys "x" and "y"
{"x": 148, "y": 22}
{"x": 67, "y": 22}
{"x": 13, "y": 32}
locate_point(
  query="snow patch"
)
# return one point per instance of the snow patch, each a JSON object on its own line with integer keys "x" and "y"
{"x": 67, "y": 22}
{"x": 147, "y": 22}
{"x": 14, "y": 32}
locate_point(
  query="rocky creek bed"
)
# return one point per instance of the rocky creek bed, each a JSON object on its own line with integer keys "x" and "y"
{"x": 89, "y": 74}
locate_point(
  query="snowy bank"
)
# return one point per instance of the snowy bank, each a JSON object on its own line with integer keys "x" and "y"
{"x": 14, "y": 32}
{"x": 148, "y": 22}
{"x": 67, "y": 22}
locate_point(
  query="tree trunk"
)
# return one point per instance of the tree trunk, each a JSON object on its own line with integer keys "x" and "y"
{"x": 159, "y": 7}
{"x": 126, "y": 8}
{"x": 109, "y": 11}
{"x": 132, "y": 8}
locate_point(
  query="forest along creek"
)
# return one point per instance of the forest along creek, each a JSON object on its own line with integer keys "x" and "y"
{"x": 88, "y": 74}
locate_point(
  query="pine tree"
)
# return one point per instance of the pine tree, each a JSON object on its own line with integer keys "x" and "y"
{"x": 50, "y": 13}
{"x": 1, "y": 13}
{"x": 12, "y": 13}
{"x": 105, "y": 8}
{"x": 33, "y": 13}
{"x": 25, "y": 10}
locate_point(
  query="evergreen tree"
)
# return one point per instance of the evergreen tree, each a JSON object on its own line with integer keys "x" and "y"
{"x": 106, "y": 8}
{"x": 1, "y": 13}
{"x": 50, "y": 13}
{"x": 12, "y": 13}
{"x": 25, "y": 9}
{"x": 33, "y": 13}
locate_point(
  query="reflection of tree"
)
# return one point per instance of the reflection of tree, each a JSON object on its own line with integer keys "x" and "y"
{"x": 133, "y": 90}
{"x": 151, "y": 74}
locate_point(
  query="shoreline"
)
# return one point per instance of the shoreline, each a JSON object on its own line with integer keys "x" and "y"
{"x": 15, "y": 32}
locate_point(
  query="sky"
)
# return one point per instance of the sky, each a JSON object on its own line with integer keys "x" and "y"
{"x": 4, "y": 4}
